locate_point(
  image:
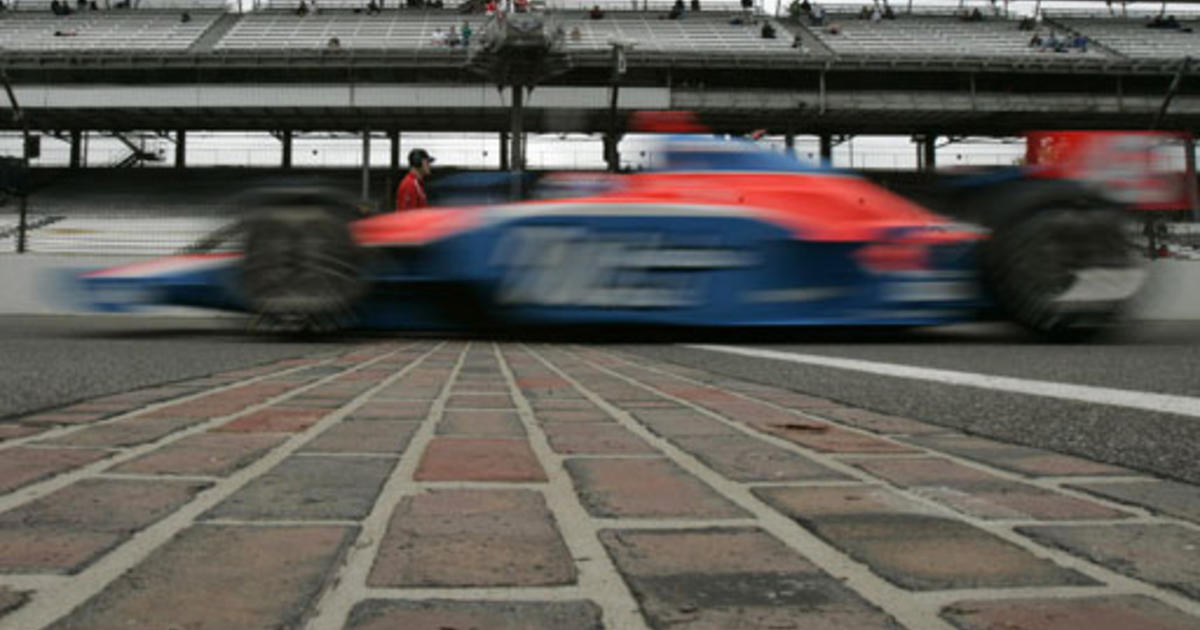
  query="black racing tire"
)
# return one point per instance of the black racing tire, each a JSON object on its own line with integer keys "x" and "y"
{"x": 1060, "y": 262}
{"x": 301, "y": 269}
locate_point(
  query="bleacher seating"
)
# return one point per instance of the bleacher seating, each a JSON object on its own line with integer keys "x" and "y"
{"x": 1133, "y": 39}
{"x": 934, "y": 36}
{"x": 415, "y": 30}
{"x": 275, "y": 30}
{"x": 103, "y": 30}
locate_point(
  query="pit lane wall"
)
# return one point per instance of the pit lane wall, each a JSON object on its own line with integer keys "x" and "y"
{"x": 32, "y": 284}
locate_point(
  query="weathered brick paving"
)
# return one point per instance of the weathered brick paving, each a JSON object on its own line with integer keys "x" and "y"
{"x": 429, "y": 485}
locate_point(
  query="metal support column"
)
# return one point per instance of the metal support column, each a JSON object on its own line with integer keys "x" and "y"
{"x": 826, "y": 148}
{"x": 928, "y": 152}
{"x": 286, "y": 138}
{"x": 504, "y": 150}
{"x": 1189, "y": 155}
{"x": 789, "y": 144}
{"x": 612, "y": 156}
{"x": 181, "y": 149}
{"x": 394, "y": 147}
{"x": 366, "y": 165}
{"x": 76, "y": 147}
{"x": 517, "y": 128}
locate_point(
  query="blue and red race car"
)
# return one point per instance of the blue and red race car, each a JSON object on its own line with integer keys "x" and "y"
{"x": 726, "y": 234}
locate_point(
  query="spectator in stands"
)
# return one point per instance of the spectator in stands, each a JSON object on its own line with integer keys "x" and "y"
{"x": 798, "y": 44}
{"x": 522, "y": 6}
{"x": 490, "y": 8}
{"x": 302, "y": 8}
{"x": 123, "y": 4}
{"x": 1035, "y": 41}
{"x": 59, "y": 8}
{"x": 768, "y": 31}
{"x": 1080, "y": 42}
{"x": 373, "y": 8}
{"x": 334, "y": 44}
{"x": 888, "y": 13}
{"x": 864, "y": 12}
{"x": 1027, "y": 24}
{"x": 80, "y": 5}
{"x": 817, "y": 17}
{"x": 677, "y": 10}
{"x": 185, "y": 18}
{"x": 596, "y": 13}
{"x": 748, "y": 6}
{"x": 410, "y": 195}
{"x": 695, "y": 6}
{"x": 65, "y": 33}
{"x": 465, "y": 32}
{"x": 576, "y": 34}
{"x": 876, "y": 15}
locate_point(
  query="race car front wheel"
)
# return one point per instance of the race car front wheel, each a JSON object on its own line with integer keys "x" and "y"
{"x": 301, "y": 270}
{"x": 1064, "y": 270}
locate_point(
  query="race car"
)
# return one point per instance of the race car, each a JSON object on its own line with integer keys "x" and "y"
{"x": 723, "y": 234}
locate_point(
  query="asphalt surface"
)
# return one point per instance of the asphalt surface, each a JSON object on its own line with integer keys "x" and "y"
{"x": 1159, "y": 358}
{"x": 49, "y": 361}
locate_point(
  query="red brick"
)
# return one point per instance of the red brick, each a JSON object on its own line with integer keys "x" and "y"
{"x": 380, "y": 614}
{"x": 744, "y": 458}
{"x": 220, "y": 577}
{"x": 878, "y": 422}
{"x": 66, "y": 529}
{"x": 831, "y": 439}
{"x": 480, "y": 401}
{"x": 925, "y": 471}
{"x": 274, "y": 420}
{"x": 645, "y": 488}
{"x": 573, "y": 415}
{"x": 479, "y": 459}
{"x": 1167, "y": 555}
{"x": 1021, "y": 459}
{"x": 64, "y": 417}
{"x": 50, "y": 551}
{"x": 595, "y": 438}
{"x": 1172, "y": 498}
{"x": 1122, "y": 612}
{"x": 732, "y": 578}
{"x": 393, "y": 410}
{"x": 12, "y": 431}
{"x": 204, "y": 454}
{"x": 1018, "y": 500}
{"x": 364, "y": 436}
{"x": 670, "y": 423}
{"x": 917, "y": 551}
{"x": 543, "y": 405}
{"x": 481, "y": 423}
{"x": 472, "y": 538}
{"x": 21, "y": 465}
{"x": 310, "y": 487}
{"x": 128, "y": 432}
{"x": 984, "y": 495}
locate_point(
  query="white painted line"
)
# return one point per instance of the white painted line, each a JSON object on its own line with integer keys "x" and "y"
{"x": 1146, "y": 401}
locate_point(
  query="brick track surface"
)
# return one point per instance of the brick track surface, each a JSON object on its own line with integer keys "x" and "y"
{"x": 468, "y": 484}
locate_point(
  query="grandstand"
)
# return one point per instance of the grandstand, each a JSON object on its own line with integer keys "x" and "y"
{"x": 933, "y": 36}
{"x": 113, "y": 31}
{"x": 926, "y": 75}
{"x": 1132, "y": 39}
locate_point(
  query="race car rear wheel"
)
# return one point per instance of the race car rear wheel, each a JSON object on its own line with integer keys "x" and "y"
{"x": 1065, "y": 268}
{"x": 301, "y": 270}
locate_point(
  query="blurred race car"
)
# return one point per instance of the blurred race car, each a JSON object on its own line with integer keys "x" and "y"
{"x": 725, "y": 234}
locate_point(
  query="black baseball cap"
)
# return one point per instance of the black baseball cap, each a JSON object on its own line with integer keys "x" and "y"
{"x": 417, "y": 156}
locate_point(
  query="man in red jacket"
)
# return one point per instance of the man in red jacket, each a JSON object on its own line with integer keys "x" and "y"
{"x": 411, "y": 193}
